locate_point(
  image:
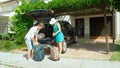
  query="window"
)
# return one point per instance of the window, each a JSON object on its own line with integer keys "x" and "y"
{"x": 3, "y": 27}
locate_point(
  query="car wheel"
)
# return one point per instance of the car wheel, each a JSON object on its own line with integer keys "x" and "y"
{"x": 64, "y": 47}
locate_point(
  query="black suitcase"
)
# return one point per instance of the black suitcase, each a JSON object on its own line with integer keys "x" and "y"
{"x": 39, "y": 53}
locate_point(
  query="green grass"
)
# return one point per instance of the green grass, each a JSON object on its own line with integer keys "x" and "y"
{"x": 116, "y": 53}
{"x": 7, "y": 45}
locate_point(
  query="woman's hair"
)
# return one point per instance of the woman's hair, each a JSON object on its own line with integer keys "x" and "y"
{"x": 41, "y": 24}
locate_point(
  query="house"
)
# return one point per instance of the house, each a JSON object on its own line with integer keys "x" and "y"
{"x": 90, "y": 23}
{"x": 6, "y": 11}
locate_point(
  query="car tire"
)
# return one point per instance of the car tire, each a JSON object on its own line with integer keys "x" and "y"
{"x": 64, "y": 47}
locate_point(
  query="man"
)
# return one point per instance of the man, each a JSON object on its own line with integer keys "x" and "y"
{"x": 31, "y": 39}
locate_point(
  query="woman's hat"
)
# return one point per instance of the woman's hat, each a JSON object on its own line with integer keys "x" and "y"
{"x": 52, "y": 21}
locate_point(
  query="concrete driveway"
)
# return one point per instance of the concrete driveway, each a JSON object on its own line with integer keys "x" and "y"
{"x": 12, "y": 60}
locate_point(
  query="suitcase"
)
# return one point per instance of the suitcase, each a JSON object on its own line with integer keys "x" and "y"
{"x": 54, "y": 54}
{"x": 39, "y": 53}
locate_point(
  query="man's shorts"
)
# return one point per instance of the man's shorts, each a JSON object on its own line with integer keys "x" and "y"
{"x": 29, "y": 44}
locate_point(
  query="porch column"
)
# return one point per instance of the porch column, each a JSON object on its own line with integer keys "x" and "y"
{"x": 86, "y": 28}
{"x": 113, "y": 25}
{"x": 117, "y": 25}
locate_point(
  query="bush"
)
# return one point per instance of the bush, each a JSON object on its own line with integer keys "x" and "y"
{"x": 7, "y": 45}
{"x": 21, "y": 24}
{"x": 5, "y": 36}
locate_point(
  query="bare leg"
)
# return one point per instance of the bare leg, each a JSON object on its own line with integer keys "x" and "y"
{"x": 28, "y": 56}
{"x": 32, "y": 53}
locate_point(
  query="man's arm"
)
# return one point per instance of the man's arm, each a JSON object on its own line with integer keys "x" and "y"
{"x": 35, "y": 41}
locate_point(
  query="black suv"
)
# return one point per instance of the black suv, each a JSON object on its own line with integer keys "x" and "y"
{"x": 45, "y": 16}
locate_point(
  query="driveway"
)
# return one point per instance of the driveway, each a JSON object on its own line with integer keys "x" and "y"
{"x": 84, "y": 49}
{"x": 12, "y": 60}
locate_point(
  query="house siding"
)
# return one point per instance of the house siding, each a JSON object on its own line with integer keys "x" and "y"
{"x": 6, "y": 11}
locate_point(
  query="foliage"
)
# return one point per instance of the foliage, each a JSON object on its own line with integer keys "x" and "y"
{"x": 29, "y": 6}
{"x": 73, "y": 5}
{"x": 60, "y": 5}
{"x": 5, "y": 35}
{"x": 21, "y": 24}
{"x": 114, "y": 4}
{"x": 7, "y": 45}
{"x": 63, "y": 5}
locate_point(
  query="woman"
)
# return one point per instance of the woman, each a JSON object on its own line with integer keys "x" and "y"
{"x": 57, "y": 33}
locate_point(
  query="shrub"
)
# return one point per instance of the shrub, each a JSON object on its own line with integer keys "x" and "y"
{"x": 5, "y": 36}
{"x": 21, "y": 24}
{"x": 7, "y": 45}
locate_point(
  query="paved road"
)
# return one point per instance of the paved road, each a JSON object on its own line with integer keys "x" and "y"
{"x": 10, "y": 60}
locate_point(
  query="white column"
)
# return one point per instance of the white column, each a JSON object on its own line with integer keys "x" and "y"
{"x": 117, "y": 25}
{"x": 86, "y": 27}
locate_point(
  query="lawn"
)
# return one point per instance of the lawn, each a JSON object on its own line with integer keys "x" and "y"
{"x": 116, "y": 53}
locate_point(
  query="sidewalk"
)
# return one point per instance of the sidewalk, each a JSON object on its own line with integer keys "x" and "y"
{"x": 10, "y": 60}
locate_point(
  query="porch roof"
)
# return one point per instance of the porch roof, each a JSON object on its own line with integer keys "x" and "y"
{"x": 90, "y": 10}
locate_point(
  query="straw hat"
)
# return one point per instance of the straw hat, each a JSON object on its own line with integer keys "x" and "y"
{"x": 53, "y": 21}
